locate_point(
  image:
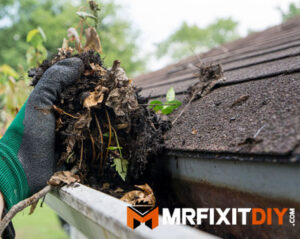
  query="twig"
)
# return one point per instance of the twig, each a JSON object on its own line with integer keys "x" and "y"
{"x": 27, "y": 202}
{"x": 184, "y": 109}
{"x": 21, "y": 205}
{"x": 117, "y": 140}
{"x": 204, "y": 91}
{"x": 81, "y": 154}
{"x": 258, "y": 132}
{"x": 109, "y": 137}
{"x": 62, "y": 112}
{"x": 101, "y": 138}
{"x": 93, "y": 146}
{"x": 43, "y": 200}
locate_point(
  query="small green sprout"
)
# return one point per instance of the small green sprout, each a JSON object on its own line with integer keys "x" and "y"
{"x": 167, "y": 107}
{"x": 120, "y": 164}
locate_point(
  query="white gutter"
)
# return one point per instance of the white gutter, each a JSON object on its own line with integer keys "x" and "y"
{"x": 97, "y": 215}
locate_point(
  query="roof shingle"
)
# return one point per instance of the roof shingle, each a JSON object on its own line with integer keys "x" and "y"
{"x": 263, "y": 68}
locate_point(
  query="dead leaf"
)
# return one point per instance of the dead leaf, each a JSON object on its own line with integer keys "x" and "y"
{"x": 132, "y": 196}
{"x": 96, "y": 97}
{"x": 92, "y": 40}
{"x": 150, "y": 198}
{"x": 63, "y": 177}
{"x": 93, "y": 99}
{"x": 119, "y": 74}
{"x": 83, "y": 122}
{"x": 73, "y": 35}
{"x": 194, "y": 131}
{"x": 94, "y": 6}
{"x": 64, "y": 50}
{"x": 136, "y": 196}
{"x": 122, "y": 100}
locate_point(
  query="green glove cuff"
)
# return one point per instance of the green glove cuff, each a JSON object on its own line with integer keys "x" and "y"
{"x": 13, "y": 181}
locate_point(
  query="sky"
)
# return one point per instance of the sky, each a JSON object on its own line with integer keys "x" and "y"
{"x": 157, "y": 19}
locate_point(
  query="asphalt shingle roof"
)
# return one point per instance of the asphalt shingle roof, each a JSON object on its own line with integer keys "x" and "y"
{"x": 264, "y": 68}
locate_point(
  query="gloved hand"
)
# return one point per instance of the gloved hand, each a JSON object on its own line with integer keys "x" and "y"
{"x": 27, "y": 150}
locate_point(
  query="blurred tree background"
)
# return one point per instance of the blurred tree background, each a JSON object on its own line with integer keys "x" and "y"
{"x": 292, "y": 11}
{"x": 55, "y": 17}
{"x": 189, "y": 39}
{"x": 31, "y": 30}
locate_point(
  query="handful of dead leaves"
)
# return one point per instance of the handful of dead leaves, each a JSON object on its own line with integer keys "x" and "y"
{"x": 103, "y": 126}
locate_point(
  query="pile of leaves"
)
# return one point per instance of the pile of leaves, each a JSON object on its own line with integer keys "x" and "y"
{"x": 104, "y": 127}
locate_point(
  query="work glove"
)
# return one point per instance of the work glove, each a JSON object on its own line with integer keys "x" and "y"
{"x": 27, "y": 150}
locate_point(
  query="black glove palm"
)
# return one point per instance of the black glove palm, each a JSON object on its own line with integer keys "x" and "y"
{"x": 27, "y": 149}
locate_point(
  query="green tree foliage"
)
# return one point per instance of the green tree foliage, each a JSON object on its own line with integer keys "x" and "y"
{"x": 191, "y": 38}
{"x": 293, "y": 11}
{"x": 18, "y": 17}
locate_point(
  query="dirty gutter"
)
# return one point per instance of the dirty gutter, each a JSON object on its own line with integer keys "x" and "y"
{"x": 98, "y": 215}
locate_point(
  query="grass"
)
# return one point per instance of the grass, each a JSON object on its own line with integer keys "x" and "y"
{"x": 43, "y": 223}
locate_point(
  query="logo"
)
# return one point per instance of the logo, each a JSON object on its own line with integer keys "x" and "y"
{"x": 228, "y": 216}
{"x": 213, "y": 216}
{"x": 142, "y": 214}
